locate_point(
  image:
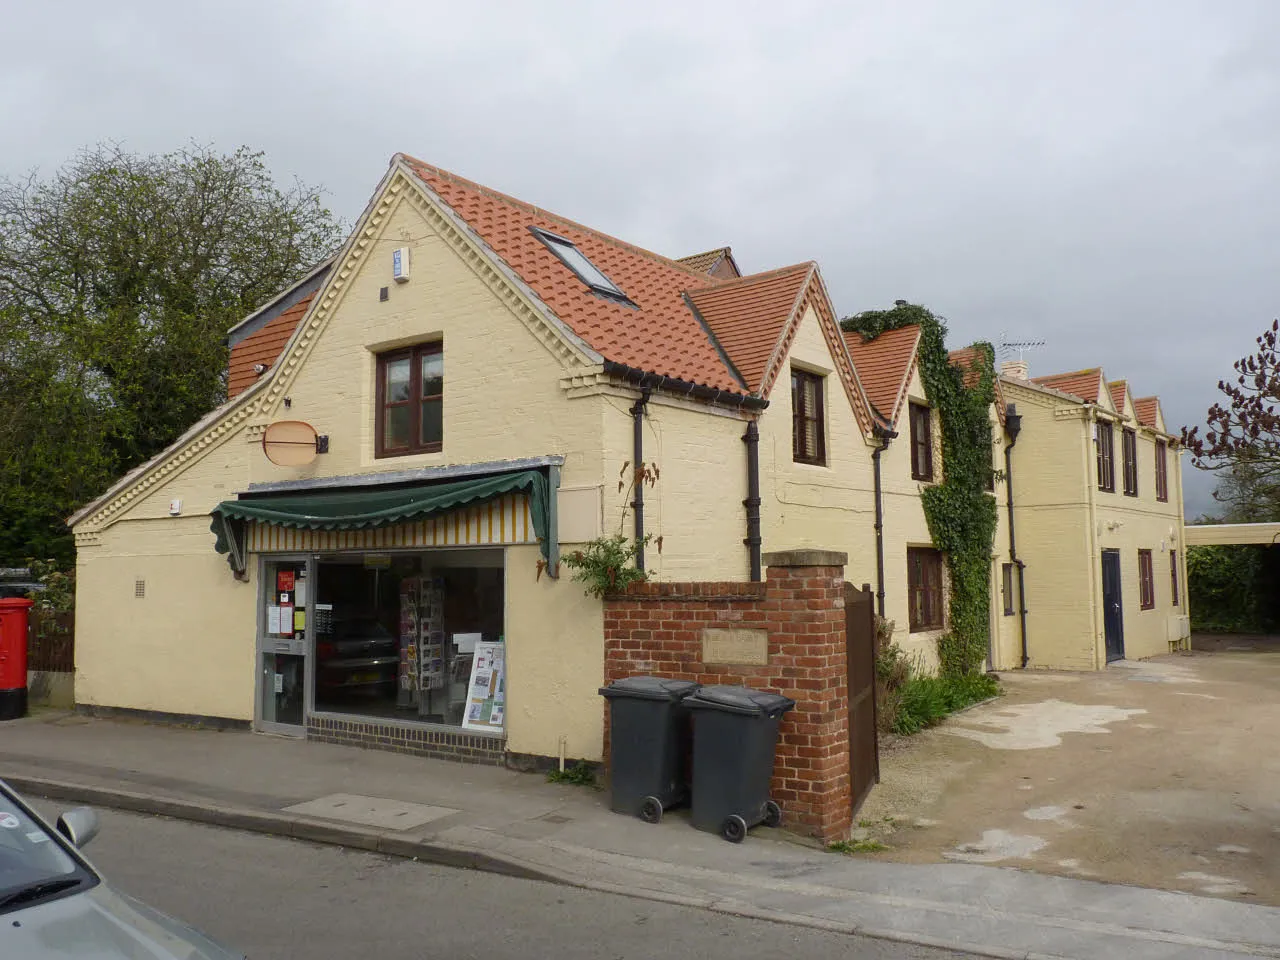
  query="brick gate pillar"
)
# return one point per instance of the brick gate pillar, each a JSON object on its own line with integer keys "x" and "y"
{"x": 806, "y": 622}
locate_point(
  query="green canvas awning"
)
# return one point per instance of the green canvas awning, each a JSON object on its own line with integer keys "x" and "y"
{"x": 357, "y": 508}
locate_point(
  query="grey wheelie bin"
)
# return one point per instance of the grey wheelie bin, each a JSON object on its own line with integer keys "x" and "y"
{"x": 648, "y": 744}
{"x": 735, "y": 735}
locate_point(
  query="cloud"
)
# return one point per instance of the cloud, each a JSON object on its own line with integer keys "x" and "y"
{"x": 1096, "y": 174}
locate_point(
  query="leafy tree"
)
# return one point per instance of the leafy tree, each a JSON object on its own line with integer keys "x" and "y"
{"x": 1241, "y": 442}
{"x": 119, "y": 277}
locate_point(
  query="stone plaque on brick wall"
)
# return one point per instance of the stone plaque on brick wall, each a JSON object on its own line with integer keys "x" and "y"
{"x": 750, "y": 647}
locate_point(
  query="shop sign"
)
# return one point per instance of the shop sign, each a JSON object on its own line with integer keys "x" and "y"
{"x": 377, "y": 561}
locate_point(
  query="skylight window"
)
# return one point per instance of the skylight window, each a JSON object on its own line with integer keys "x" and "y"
{"x": 577, "y": 261}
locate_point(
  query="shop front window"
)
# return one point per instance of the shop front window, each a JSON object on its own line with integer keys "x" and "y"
{"x": 412, "y": 636}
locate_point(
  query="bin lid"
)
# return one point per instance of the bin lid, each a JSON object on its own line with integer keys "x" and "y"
{"x": 649, "y": 688}
{"x": 756, "y": 703}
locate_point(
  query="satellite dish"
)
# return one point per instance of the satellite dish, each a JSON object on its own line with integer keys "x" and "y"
{"x": 289, "y": 443}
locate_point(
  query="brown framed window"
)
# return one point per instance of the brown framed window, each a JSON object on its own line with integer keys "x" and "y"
{"x": 924, "y": 588}
{"x": 808, "y": 432}
{"x": 921, "y": 442}
{"x": 1129, "y": 443}
{"x": 1173, "y": 575}
{"x": 1146, "y": 581}
{"x": 1104, "y": 440}
{"x": 410, "y": 401}
{"x": 1162, "y": 471}
{"x": 1006, "y": 588}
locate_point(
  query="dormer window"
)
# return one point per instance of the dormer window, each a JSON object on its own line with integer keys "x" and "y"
{"x": 577, "y": 261}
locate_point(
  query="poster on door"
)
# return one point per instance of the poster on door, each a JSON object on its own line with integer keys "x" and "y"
{"x": 486, "y": 693}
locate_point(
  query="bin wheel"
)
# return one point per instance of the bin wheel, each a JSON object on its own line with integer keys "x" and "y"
{"x": 772, "y": 814}
{"x": 733, "y": 829}
{"x": 651, "y": 810}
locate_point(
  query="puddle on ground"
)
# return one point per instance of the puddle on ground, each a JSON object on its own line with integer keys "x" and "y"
{"x": 1029, "y": 726}
{"x": 1053, "y": 814}
{"x": 996, "y": 845}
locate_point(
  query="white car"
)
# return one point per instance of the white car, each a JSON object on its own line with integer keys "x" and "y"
{"x": 55, "y": 906}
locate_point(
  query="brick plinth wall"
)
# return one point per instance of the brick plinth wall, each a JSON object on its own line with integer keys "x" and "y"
{"x": 657, "y": 628}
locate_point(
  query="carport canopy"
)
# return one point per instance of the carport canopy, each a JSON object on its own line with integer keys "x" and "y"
{"x": 1209, "y": 534}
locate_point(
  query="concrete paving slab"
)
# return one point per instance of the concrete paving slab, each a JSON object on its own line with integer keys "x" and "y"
{"x": 370, "y": 811}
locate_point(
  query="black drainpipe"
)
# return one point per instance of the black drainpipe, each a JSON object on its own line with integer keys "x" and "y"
{"x": 752, "y": 439}
{"x": 1012, "y": 427}
{"x": 884, "y": 435}
{"x": 637, "y": 471}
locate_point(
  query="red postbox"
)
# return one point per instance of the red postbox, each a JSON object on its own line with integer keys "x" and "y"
{"x": 13, "y": 657}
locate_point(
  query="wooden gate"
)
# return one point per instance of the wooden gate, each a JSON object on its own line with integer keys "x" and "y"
{"x": 860, "y": 642}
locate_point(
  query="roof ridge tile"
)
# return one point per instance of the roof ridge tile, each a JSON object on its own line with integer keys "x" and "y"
{"x": 535, "y": 210}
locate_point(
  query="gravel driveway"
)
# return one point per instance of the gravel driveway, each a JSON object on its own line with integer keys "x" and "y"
{"x": 1163, "y": 773}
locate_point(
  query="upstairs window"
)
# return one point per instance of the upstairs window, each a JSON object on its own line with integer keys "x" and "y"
{"x": 410, "y": 401}
{"x": 1104, "y": 440}
{"x": 577, "y": 261}
{"x": 1130, "y": 444}
{"x": 1162, "y": 471}
{"x": 921, "y": 442}
{"x": 808, "y": 441}
{"x": 1146, "y": 581}
{"x": 924, "y": 589}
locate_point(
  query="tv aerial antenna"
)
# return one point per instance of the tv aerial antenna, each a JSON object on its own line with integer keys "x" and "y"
{"x": 1006, "y": 348}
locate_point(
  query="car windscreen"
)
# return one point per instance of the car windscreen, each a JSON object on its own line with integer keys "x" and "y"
{"x": 29, "y": 854}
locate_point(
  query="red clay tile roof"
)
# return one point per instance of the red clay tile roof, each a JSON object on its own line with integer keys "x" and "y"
{"x": 1085, "y": 384}
{"x": 748, "y": 316}
{"x": 262, "y": 347}
{"x": 965, "y": 359}
{"x": 1118, "y": 389}
{"x": 659, "y": 334}
{"x": 1147, "y": 409}
{"x": 716, "y": 263}
{"x": 884, "y": 366}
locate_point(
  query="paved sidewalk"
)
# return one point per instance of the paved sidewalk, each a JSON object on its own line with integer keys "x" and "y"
{"x": 517, "y": 823}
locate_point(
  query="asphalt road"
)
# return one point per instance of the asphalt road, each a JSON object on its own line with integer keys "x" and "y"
{"x": 278, "y": 899}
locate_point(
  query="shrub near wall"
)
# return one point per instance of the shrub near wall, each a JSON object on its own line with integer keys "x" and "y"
{"x": 664, "y": 629}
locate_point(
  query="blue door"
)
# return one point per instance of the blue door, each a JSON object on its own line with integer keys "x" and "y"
{"x": 1112, "y": 608}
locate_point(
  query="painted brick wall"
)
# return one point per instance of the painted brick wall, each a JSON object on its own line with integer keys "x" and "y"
{"x": 656, "y": 628}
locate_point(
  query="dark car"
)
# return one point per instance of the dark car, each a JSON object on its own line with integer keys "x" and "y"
{"x": 360, "y": 654}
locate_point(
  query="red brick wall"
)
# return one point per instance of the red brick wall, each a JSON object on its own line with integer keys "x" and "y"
{"x": 656, "y": 628}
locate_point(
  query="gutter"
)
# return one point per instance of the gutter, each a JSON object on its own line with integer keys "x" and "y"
{"x": 752, "y": 439}
{"x": 884, "y": 435}
{"x": 697, "y": 391}
{"x": 637, "y": 471}
{"x": 1012, "y": 427}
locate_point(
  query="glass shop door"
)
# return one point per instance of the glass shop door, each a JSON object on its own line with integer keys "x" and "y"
{"x": 284, "y": 617}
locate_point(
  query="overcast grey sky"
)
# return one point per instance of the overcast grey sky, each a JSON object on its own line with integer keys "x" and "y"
{"x": 1098, "y": 175}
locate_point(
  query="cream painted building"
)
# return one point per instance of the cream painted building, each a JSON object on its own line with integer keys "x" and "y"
{"x": 1098, "y": 517}
{"x": 363, "y": 542}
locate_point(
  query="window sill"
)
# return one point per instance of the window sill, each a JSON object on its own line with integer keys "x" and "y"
{"x": 399, "y": 454}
